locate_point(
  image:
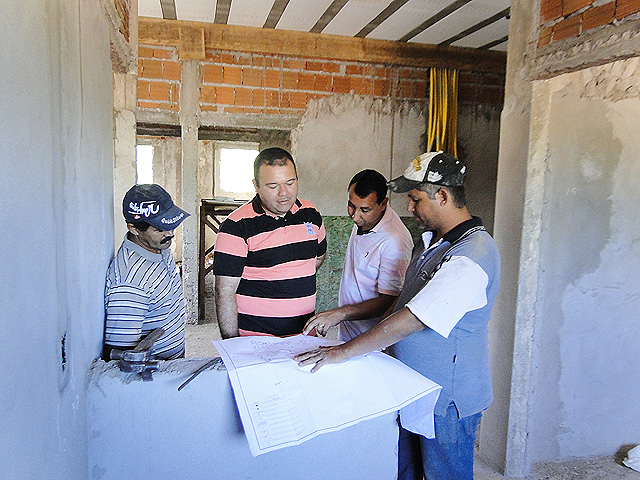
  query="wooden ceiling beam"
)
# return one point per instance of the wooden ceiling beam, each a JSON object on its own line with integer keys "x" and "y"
{"x": 317, "y": 45}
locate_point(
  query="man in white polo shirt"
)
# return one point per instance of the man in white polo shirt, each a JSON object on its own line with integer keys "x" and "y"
{"x": 377, "y": 257}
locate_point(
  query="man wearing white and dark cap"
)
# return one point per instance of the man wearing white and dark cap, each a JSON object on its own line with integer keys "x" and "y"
{"x": 144, "y": 289}
{"x": 440, "y": 322}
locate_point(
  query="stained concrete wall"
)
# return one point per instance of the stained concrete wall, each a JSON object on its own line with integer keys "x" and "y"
{"x": 586, "y": 332}
{"x": 343, "y": 134}
{"x": 150, "y": 430}
{"x": 478, "y": 142}
{"x": 56, "y": 144}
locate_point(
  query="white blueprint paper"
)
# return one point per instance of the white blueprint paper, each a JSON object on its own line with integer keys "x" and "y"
{"x": 281, "y": 404}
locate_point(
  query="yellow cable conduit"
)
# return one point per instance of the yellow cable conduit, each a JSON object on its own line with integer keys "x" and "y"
{"x": 443, "y": 110}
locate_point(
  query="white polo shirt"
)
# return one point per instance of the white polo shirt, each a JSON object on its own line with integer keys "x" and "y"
{"x": 375, "y": 263}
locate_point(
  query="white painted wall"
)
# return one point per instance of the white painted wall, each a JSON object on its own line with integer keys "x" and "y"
{"x": 587, "y": 334}
{"x": 56, "y": 144}
{"x": 150, "y": 430}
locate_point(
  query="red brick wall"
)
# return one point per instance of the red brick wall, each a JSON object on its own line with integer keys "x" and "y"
{"x": 236, "y": 82}
{"x": 257, "y": 83}
{"x": 562, "y": 19}
{"x": 480, "y": 88}
{"x": 159, "y": 73}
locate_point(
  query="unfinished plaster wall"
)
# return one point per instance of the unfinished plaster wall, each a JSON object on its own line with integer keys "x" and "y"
{"x": 478, "y": 141}
{"x": 343, "y": 134}
{"x": 56, "y": 144}
{"x": 196, "y": 433}
{"x": 587, "y": 336}
{"x": 124, "y": 146}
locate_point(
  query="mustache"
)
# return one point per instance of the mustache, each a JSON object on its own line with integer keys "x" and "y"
{"x": 166, "y": 239}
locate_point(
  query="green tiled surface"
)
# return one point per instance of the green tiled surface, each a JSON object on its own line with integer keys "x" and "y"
{"x": 328, "y": 277}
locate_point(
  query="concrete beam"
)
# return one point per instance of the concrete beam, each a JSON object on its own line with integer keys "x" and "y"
{"x": 590, "y": 48}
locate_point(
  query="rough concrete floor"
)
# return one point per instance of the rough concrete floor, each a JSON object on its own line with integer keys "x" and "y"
{"x": 601, "y": 468}
{"x": 198, "y": 345}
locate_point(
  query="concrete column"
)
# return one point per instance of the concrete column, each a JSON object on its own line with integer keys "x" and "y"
{"x": 167, "y": 167}
{"x": 124, "y": 146}
{"x": 503, "y": 432}
{"x": 190, "y": 121}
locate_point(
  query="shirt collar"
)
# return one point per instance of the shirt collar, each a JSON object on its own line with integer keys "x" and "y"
{"x": 474, "y": 223}
{"x": 453, "y": 235}
{"x": 143, "y": 252}
{"x": 256, "y": 203}
{"x": 385, "y": 218}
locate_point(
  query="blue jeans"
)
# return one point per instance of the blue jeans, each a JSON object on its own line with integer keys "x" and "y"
{"x": 449, "y": 456}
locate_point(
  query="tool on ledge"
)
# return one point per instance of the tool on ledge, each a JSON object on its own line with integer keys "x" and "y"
{"x": 139, "y": 360}
{"x": 199, "y": 371}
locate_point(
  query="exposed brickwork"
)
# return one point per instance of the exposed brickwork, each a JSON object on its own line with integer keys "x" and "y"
{"x": 480, "y": 88}
{"x": 236, "y": 82}
{"x": 624, "y": 8}
{"x": 286, "y": 84}
{"x": 570, "y": 18}
{"x": 123, "y": 9}
{"x": 598, "y": 16}
{"x": 550, "y": 10}
{"x": 572, "y": 6}
{"x": 159, "y": 74}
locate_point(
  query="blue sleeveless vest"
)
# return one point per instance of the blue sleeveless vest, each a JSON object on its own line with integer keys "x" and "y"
{"x": 460, "y": 363}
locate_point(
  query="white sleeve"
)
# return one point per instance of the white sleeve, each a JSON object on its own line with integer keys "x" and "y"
{"x": 394, "y": 261}
{"x": 457, "y": 288}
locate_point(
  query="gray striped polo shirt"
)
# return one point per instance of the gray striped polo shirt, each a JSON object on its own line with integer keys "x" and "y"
{"x": 144, "y": 292}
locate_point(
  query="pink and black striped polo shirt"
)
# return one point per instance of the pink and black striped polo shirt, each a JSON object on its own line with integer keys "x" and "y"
{"x": 276, "y": 260}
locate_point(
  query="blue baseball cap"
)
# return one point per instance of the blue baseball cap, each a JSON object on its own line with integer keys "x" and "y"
{"x": 152, "y": 204}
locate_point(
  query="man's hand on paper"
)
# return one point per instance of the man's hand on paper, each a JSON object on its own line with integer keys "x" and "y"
{"x": 321, "y": 356}
{"x": 323, "y": 321}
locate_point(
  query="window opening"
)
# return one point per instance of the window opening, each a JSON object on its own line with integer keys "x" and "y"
{"x": 144, "y": 164}
{"x": 234, "y": 169}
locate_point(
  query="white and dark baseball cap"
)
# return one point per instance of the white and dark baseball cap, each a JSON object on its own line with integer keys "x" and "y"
{"x": 438, "y": 168}
{"x": 152, "y": 204}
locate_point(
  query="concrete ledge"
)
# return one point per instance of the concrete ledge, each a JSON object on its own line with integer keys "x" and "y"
{"x": 150, "y": 430}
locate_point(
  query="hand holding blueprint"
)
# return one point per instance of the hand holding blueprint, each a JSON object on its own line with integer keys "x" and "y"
{"x": 281, "y": 404}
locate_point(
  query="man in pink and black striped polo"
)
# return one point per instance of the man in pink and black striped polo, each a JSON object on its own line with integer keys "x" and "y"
{"x": 267, "y": 254}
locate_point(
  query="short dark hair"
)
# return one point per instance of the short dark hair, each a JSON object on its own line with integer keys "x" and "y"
{"x": 272, "y": 156}
{"x": 140, "y": 225}
{"x": 458, "y": 193}
{"x": 367, "y": 182}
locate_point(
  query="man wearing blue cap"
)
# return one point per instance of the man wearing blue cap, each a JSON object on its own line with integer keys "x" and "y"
{"x": 440, "y": 322}
{"x": 144, "y": 289}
